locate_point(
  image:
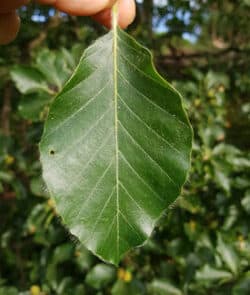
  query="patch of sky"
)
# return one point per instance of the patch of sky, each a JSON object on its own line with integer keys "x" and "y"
{"x": 39, "y": 17}
{"x": 160, "y": 23}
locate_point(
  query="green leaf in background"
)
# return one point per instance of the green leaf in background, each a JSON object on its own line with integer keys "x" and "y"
{"x": 100, "y": 275}
{"x": 162, "y": 287}
{"x": 28, "y": 79}
{"x": 31, "y": 106}
{"x": 55, "y": 67}
{"x": 227, "y": 254}
{"x": 61, "y": 254}
{"x": 116, "y": 147}
{"x": 245, "y": 202}
{"x": 243, "y": 286}
{"x": 247, "y": 2}
{"x": 40, "y": 82}
{"x": 132, "y": 288}
{"x": 49, "y": 72}
{"x": 37, "y": 187}
{"x": 8, "y": 291}
{"x": 208, "y": 273}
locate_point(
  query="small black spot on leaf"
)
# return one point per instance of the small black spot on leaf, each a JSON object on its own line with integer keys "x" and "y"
{"x": 52, "y": 152}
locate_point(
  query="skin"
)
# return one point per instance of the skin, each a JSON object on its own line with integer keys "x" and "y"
{"x": 100, "y": 10}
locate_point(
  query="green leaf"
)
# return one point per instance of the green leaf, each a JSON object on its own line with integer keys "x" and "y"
{"x": 227, "y": 254}
{"x": 222, "y": 179}
{"x": 62, "y": 253}
{"x": 116, "y": 147}
{"x": 28, "y": 79}
{"x": 38, "y": 187}
{"x": 84, "y": 258}
{"x": 54, "y": 67}
{"x": 31, "y": 106}
{"x": 161, "y": 287}
{"x": 100, "y": 276}
{"x": 245, "y": 202}
{"x": 8, "y": 291}
{"x": 214, "y": 79}
{"x": 243, "y": 286}
{"x": 208, "y": 273}
{"x": 247, "y": 2}
{"x": 122, "y": 288}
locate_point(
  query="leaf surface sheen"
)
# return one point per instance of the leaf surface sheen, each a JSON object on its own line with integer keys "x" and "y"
{"x": 116, "y": 147}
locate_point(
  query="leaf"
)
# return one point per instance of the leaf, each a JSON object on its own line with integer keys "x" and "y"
{"x": 100, "y": 275}
{"x": 37, "y": 187}
{"x": 116, "y": 147}
{"x": 231, "y": 217}
{"x": 28, "y": 79}
{"x": 84, "y": 258}
{"x": 214, "y": 79}
{"x": 8, "y": 291}
{"x": 222, "y": 179}
{"x": 208, "y": 273}
{"x": 227, "y": 254}
{"x": 62, "y": 253}
{"x": 242, "y": 287}
{"x": 161, "y": 287}
{"x": 245, "y": 202}
{"x": 31, "y": 106}
{"x": 247, "y": 2}
{"x": 123, "y": 288}
{"x": 40, "y": 82}
{"x": 54, "y": 67}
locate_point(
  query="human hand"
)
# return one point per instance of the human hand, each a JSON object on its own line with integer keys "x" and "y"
{"x": 100, "y": 10}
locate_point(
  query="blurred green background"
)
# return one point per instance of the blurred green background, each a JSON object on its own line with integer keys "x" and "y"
{"x": 202, "y": 243}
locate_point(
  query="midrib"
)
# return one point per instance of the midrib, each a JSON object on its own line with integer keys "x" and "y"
{"x": 115, "y": 65}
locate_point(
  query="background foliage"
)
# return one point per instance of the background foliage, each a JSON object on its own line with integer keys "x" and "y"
{"x": 202, "y": 244}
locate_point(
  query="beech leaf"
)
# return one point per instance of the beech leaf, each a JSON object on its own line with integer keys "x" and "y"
{"x": 116, "y": 147}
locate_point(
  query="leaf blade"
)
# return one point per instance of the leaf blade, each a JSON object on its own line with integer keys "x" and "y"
{"x": 111, "y": 152}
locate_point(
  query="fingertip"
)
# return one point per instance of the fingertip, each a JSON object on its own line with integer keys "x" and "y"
{"x": 83, "y": 7}
{"x": 9, "y": 27}
{"x": 104, "y": 18}
{"x": 46, "y": 2}
{"x": 126, "y": 11}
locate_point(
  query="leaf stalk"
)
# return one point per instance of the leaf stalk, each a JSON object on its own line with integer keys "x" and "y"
{"x": 115, "y": 16}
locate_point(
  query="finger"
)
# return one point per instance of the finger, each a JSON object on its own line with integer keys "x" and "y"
{"x": 83, "y": 7}
{"x": 126, "y": 14}
{"x": 7, "y": 5}
{"x": 47, "y": 2}
{"x": 9, "y": 27}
